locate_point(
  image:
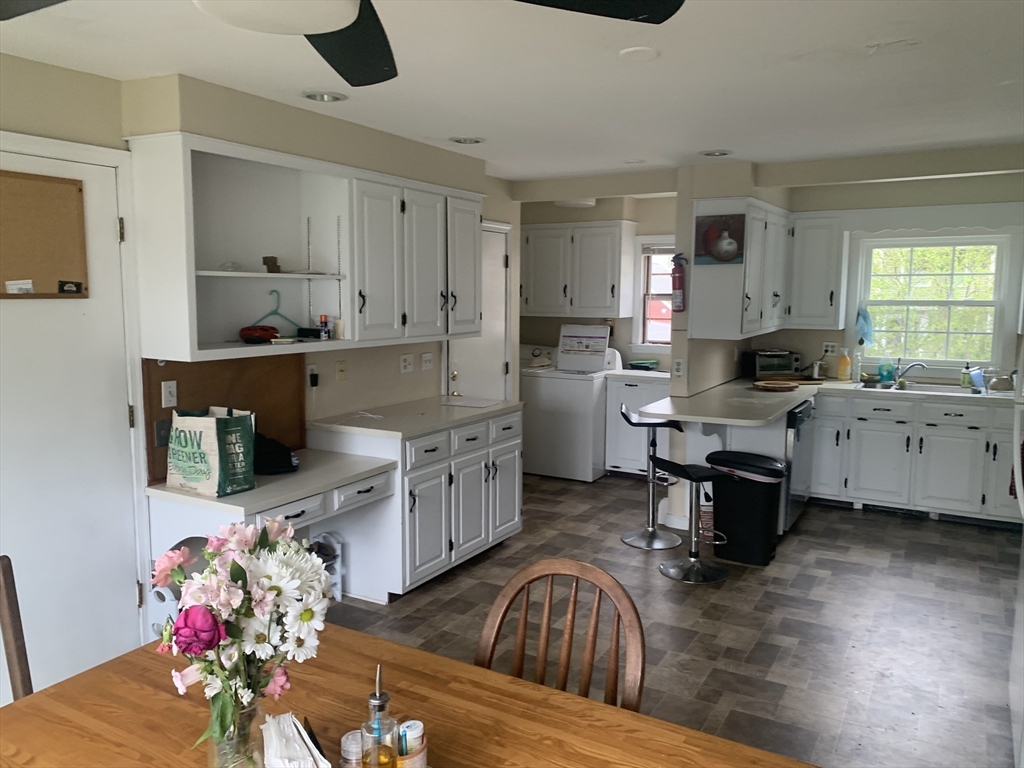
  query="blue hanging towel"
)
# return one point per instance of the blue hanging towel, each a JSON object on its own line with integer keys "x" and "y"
{"x": 865, "y": 331}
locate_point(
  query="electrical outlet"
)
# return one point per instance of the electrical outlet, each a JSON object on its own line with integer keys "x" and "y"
{"x": 427, "y": 361}
{"x": 829, "y": 348}
{"x": 340, "y": 374}
{"x": 168, "y": 394}
{"x": 406, "y": 364}
{"x": 161, "y": 433}
{"x": 679, "y": 367}
{"x": 312, "y": 379}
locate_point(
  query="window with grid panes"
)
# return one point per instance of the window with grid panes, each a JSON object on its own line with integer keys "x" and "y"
{"x": 933, "y": 300}
{"x": 657, "y": 327}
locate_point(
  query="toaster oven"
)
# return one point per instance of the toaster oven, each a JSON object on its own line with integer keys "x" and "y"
{"x": 771, "y": 363}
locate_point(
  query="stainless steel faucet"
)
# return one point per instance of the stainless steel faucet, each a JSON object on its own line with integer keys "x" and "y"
{"x": 901, "y": 371}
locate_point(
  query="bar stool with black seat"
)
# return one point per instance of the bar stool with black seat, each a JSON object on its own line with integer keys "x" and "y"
{"x": 650, "y": 537}
{"x": 692, "y": 570}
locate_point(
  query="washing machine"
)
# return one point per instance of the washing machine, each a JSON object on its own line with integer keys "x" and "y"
{"x": 563, "y": 389}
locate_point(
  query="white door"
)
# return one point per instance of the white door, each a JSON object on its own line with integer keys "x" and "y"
{"x": 879, "y": 463}
{"x": 426, "y": 264}
{"x": 625, "y": 446}
{"x": 470, "y": 503}
{"x": 827, "y": 468}
{"x": 998, "y": 466}
{"x": 464, "y": 278}
{"x": 479, "y": 366}
{"x": 547, "y": 254}
{"x": 814, "y": 278}
{"x": 949, "y": 469}
{"x": 506, "y": 488}
{"x": 753, "y": 263}
{"x": 379, "y": 244}
{"x": 428, "y": 513}
{"x": 66, "y": 487}
{"x": 595, "y": 268}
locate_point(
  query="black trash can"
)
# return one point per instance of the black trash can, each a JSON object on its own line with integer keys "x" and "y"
{"x": 747, "y": 505}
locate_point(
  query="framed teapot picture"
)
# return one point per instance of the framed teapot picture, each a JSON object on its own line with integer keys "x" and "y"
{"x": 719, "y": 239}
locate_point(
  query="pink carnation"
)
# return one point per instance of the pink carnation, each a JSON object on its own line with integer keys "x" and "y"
{"x": 167, "y": 562}
{"x": 215, "y": 543}
{"x": 278, "y": 683}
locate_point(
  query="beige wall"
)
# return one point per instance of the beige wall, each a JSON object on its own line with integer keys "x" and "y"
{"x": 655, "y": 215}
{"x": 602, "y": 185}
{"x": 543, "y": 331}
{"x": 606, "y": 209}
{"x": 964, "y": 190}
{"x": 56, "y": 103}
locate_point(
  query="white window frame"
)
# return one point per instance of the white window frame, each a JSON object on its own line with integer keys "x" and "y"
{"x": 639, "y": 282}
{"x": 1005, "y": 298}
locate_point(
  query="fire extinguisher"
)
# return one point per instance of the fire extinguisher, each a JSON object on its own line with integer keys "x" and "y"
{"x": 678, "y": 283}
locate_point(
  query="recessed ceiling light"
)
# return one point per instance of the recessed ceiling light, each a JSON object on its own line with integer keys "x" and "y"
{"x": 324, "y": 97}
{"x": 716, "y": 152}
{"x": 639, "y": 53}
{"x": 466, "y": 140}
{"x": 634, "y": 162}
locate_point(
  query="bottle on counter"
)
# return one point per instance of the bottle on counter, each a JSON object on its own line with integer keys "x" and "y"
{"x": 886, "y": 370}
{"x": 858, "y": 365}
{"x": 352, "y": 750}
{"x": 380, "y": 732}
{"x": 845, "y": 364}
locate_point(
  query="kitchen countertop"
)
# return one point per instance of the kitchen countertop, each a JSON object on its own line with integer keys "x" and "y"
{"x": 419, "y": 417}
{"x": 1004, "y": 399}
{"x": 319, "y": 471}
{"x": 629, "y": 373}
{"x": 736, "y": 403}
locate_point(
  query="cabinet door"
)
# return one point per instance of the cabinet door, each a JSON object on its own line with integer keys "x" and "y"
{"x": 998, "y": 466}
{"x": 879, "y": 462}
{"x": 470, "y": 503}
{"x": 827, "y": 469}
{"x": 595, "y": 268}
{"x": 753, "y": 264}
{"x": 949, "y": 469}
{"x": 465, "y": 249}
{"x": 773, "y": 279}
{"x": 379, "y": 237}
{"x": 817, "y": 276}
{"x": 426, "y": 264}
{"x": 548, "y": 254}
{"x": 506, "y": 489}
{"x": 427, "y": 514}
{"x": 626, "y": 446}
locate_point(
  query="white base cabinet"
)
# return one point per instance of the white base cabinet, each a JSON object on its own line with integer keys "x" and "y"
{"x": 996, "y": 501}
{"x": 827, "y": 472}
{"x": 948, "y": 467}
{"x": 879, "y": 462}
{"x": 625, "y": 446}
{"x": 427, "y": 528}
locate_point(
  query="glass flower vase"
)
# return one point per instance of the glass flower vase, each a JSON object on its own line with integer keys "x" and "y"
{"x": 242, "y": 746}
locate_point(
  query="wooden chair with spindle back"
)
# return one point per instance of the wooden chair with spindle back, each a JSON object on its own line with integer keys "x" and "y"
{"x": 12, "y": 633}
{"x": 624, "y": 612}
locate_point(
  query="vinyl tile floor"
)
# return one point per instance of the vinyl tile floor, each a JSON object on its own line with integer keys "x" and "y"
{"x": 873, "y": 640}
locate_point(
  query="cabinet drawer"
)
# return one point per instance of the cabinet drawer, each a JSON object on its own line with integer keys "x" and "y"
{"x": 953, "y": 414}
{"x": 469, "y": 438}
{"x": 427, "y": 449}
{"x": 830, "y": 405}
{"x": 506, "y": 427}
{"x": 880, "y": 409}
{"x": 356, "y": 494}
{"x": 298, "y": 513}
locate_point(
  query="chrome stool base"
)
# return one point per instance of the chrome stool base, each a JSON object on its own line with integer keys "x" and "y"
{"x": 692, "y": 570}
{"x": 651, "y": 538}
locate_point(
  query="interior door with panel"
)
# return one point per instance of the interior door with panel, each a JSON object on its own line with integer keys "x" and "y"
{"x": 998, "y": 468}
{"x": 827, "y": 469}
{"x": 470, "y": 503}
{"x": 428, "y": 512}
{"x": 815, "y": 274}
{"x": 879, "y": 462}
{"x": 426, "y": 264}
{"x": 506, "y": 488}
{"x": 548, "y": 255}
{"x": 949, "y": 469}
{"x": 595, "y": 268}
{"x": 753, "y": 265}
{"x": 464, "y": 278}
{"x": 379, "y": 239}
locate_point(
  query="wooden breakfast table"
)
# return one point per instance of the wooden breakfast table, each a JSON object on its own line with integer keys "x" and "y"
{"x": 127, "y": 713}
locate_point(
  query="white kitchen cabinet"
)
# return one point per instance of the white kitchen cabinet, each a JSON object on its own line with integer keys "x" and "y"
{"x": 426, "y": 262}
{"x": 753, "y": 271}
{"x": 948, "y": 469}
{"x": 625, "y": 446}
{"x": 579, "y": 270}
{"x": 506, "y": 490}
{"x": 465, "y": 272}
{"x": 379, "y": 250}
{"x": 827, "y": 472}
{"x": 817, "y": 273}
{"x": 775, "y": 273}
{"x": 427, "y": 531}
{"x": 470, "y": 503}
{"x": 998, "y": 463}
{"x": 879, "y": 463}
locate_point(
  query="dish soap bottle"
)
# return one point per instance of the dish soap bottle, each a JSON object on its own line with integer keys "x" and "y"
{"x": 380, "y": 732}
{"x": 845, "y": 364}
{"x": 885, "y": 369}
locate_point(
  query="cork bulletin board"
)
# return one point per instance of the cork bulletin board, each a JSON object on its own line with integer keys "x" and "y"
{"x": 42, "y": 238}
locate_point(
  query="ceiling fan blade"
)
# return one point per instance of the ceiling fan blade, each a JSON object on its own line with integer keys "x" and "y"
{"x": 10, "y": 9}
{"x": 647, "y": 11}
{"x": 360, "y": 52}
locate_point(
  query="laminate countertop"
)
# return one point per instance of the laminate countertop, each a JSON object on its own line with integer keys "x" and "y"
{"x": 319, "y": 471}
{"x": 630, "y": 375}
{"x": 419, "y": 417}
{"x": 736, "y": 403}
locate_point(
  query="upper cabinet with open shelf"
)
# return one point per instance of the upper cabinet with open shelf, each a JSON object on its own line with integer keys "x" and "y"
{"x": 207, "y": 212}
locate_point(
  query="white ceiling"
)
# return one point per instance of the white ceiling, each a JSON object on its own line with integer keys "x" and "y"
{"x": 772, "y": 80}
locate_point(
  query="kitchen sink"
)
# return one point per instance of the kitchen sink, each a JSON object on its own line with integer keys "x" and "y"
{"x": 935, "y": 389}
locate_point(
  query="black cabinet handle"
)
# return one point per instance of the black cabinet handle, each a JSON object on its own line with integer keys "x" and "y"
{"x": 494, "y": 466}
{"x": 995, "y": 450}
{"x": 455, "y": 300}
{"x": 412, "y": 502}
{"x": 632, "y": 385}
{"x": 831, "y": 298}
{"x": 746, "y": 298}
{"x": 506, "y": 429}
{"x": 883, "y": 409}
{"x": 565, "y": 290}
{"x": 472, "y": 439}
{"x": 296, "y": 516}
{"x": 366, "y": 490}
{"x": 444, "y": 298}
{"x": 430, "y": 450}
{"x": 362, "y": 300}
{"x": 957, "y": 415}
{"x": 837, "y": 436}
{"x": 988, "y": 446}
{"x": 613, "y": 290}
{"x": 908, "y": 443}
{"x": 487, "y": 469}
{"x": 920, "y": 445}
{"x": 847, "y": 433}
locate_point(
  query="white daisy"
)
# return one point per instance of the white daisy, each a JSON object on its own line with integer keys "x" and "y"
{"x": 212, "y": 686}
{"x": 307, "y": 618}
{"x": 245, "y": 696}
{"x": 299, "y": 649}
{"x": 260, "y": 637}
{"x": 275, "y": 577}
{"x": 304, "y": 566}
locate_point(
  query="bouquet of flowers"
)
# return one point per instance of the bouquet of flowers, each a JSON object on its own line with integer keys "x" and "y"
{"x": 260, "y": 602}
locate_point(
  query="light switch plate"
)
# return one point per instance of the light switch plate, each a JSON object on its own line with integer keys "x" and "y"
{"x": 406, "y": 364}
{"x": 168, "y": 394}
{"x": 340, "y": 372}
{"x": 427, "y": 361}
{"x": 829, "y": 348}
